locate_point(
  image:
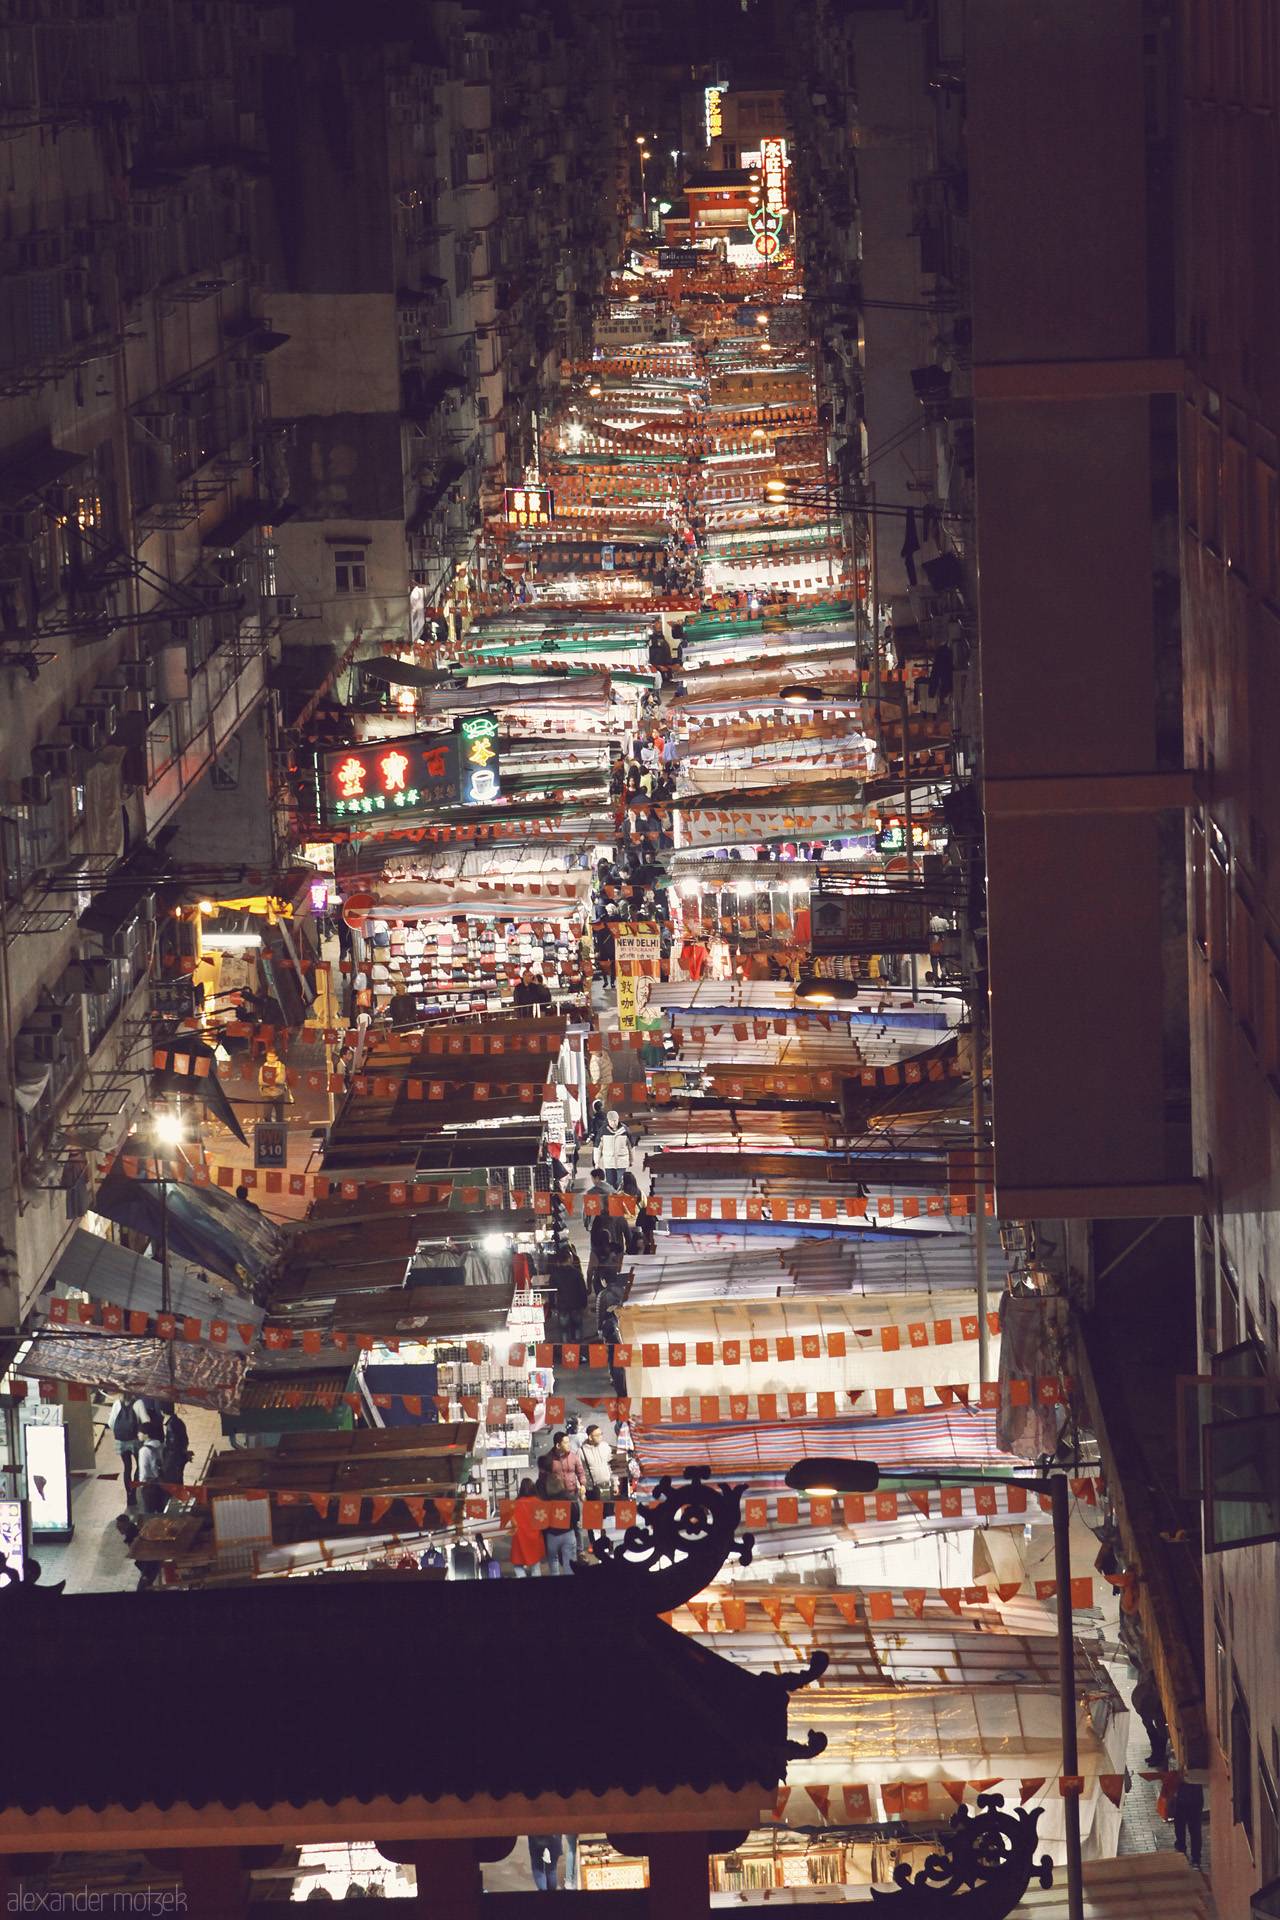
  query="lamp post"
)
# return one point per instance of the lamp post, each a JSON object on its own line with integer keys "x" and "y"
{"x": 832, "y": 1475}
{"x": 166, "y": 1131}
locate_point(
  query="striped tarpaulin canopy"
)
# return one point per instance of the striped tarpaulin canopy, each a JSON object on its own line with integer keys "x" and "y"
{"x": 947, "y": 1437}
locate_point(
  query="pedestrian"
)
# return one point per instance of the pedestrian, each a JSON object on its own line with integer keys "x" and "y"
{"x": 125, "y": 1421}
{"x": 1188, "y": 1817}
{"x": 606, "y": 1239}
{"x": 242, "y": 1193}
{"x": 615, "y": 1149}
{"x": 595, "y": 1131}
{"x": 597, "y": 1462}
{"x": 544, "y": 1858}
{"x": 151, "y": 1493}
{"x": 571, "y": 1294}
{"x": 175, "y": 1450}
{"x": 561, "y": 1541}
{"x": 639, "y": 1231}
{"x": 567, "y": 1462}
{"x": 1149, "y": 1708}
{"x": 528, "y": 1547}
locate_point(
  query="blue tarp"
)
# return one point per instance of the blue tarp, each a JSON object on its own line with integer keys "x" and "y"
{"x": 203, "y": 1224}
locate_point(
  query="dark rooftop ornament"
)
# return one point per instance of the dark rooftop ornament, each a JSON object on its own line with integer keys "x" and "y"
{"x": 676, "y": 1547}
{"x": 984, "y": 1873}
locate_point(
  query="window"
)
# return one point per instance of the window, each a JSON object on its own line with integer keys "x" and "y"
{"x": 1199, "y": 912}
{"x": 348, "y": 570}
{"x": 1266, "y": 561}
{"x": 1236, "y": 506}
{"x": 1268, "y": 1822}
{"x": 1262, "y": 53}
{"x": 1241, "y": 1760}
{"x": 1210, "y": 442}
{"x": 1269, "y": 1012}
{"x": 1241, "y": 1509}
{"x": 1244, "y": 942}
{"x": 1190, "y": 454}
{"x": 1219, "y": 922}
{"x": 1229, "y": 1308}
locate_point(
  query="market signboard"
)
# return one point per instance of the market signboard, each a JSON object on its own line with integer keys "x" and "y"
{"x": 529, "y": 506}
{"x": 477, "y": 749}
{"x": 270, "y": 1144}
{"x": 411, "y": 774}
{"x": 868, "y": 923}
{"x": 773, "y": 172}
{"x": 637, "y": 947}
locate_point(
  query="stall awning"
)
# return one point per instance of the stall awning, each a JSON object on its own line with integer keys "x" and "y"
{"x": 105, "y": 1271}
{"x": 114, "y": 908}
{"x": 243, "y": 518}
{"x": 203, "y": 1224}
{"x": 27, "y": 478}
{"x": 167, "y": 1369}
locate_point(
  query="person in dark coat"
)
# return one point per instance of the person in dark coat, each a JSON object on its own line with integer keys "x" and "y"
{"x": 571, "y": 1295}
{"x": 1188, "y": 1817}
{"x": 175, "y": 1450}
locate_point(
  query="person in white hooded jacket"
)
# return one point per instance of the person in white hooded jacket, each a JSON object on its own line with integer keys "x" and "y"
{"x": 615, "y": 1149}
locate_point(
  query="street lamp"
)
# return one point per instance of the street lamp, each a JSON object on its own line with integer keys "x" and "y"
{"x": 830, "y": 1474}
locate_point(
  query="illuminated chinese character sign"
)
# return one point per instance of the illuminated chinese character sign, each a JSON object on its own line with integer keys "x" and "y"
{"x": 713, "y": 101}
{"x": 477, "y": 743}
{"x": 773, "y": 170}
{"x": 529, "y": 506}
{"x": 373, "y": 784}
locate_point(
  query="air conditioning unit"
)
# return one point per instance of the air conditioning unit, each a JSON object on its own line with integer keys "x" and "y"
{"x": 138, "y": 673}
{"x": 45, "y": 1045}
{"x": 85, "y": 735}
{"x": 54, "y": 758}
{"x": 283, "y": 606}
{"x": 37, "y": 790}
{"x": 95, "y": 713}
{"x": 89, "y": 976}
{"x": 21, "y": 524}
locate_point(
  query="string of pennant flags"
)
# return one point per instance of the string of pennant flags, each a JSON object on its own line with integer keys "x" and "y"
{"x": 881, "y": 1402}
{"x": 844, "y": 1804}
{"x": 758, "y": 1513}
{"x": 813, "y": 1346}
{"x": 441, "y": 1193}
{"x": 860, "y": 1606}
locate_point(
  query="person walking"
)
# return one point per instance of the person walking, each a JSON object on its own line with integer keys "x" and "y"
{"x": 608, "y": 1301}
{"x": 125, "y": 1421}
{"x": 606, "y": 1238}
{"x": 544, "y": 1858}
{"x": 639, "y": 1228}
{"x": 571, "y": 1294}
{"x": 528, "y": 1547}
{"x": 1188, "y": 1817}
{"x": 561, "y": 1541}
{"x": 569, "y": 1466}
{"x": 597, "y": 1463}
{"x": 175, "y": 1450}
{"x": 151, "y": 1493}
{"x": 1149, "y": 1708}
{"x": 615, "y": 1149}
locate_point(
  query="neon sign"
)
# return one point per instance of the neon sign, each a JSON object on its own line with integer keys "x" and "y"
{"x": 416, "y": 773}
{"x": 713, "y": 99}
{"x": 773, "y": 168}
{"x": 529, "y": 506}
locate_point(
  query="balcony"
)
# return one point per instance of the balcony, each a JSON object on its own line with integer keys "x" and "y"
{"x": 185, "y": 735}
